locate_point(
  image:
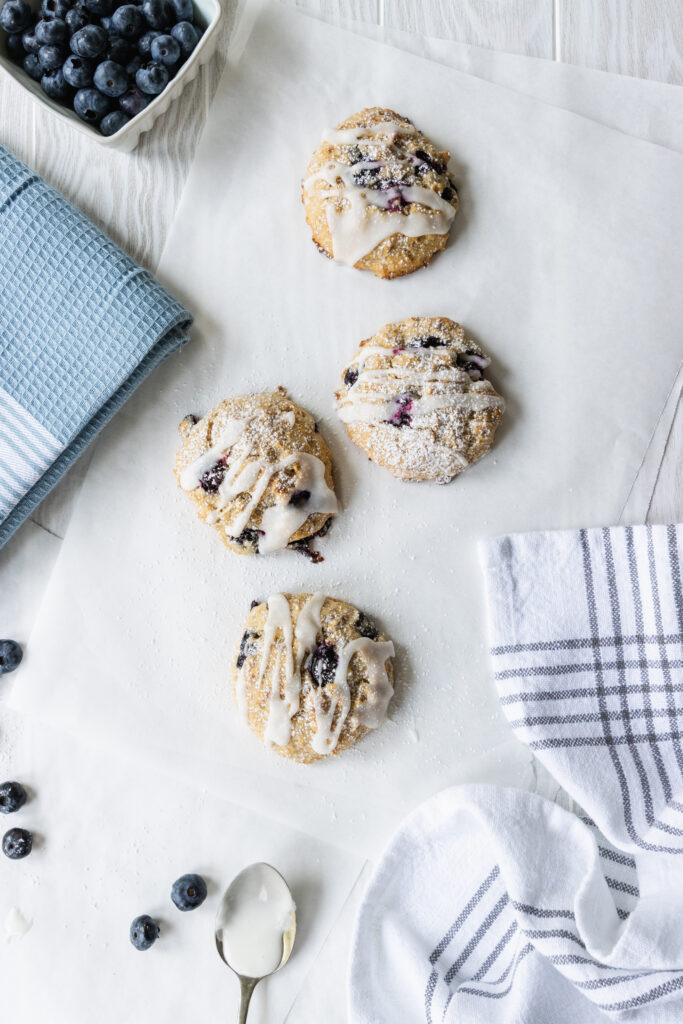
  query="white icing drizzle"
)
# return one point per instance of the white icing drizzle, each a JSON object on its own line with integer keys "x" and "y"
{"x": 372, "y": 398}
{"x": 243, "y": 477}
{"x": 285, "y": 701}
{"x": 367, "y": 217}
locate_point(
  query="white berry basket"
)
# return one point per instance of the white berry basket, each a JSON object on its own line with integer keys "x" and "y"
{"x": 208, "y": 16}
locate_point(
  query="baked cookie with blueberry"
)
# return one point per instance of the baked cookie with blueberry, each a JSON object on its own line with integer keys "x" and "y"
{"x": 416, "y": 400}
{"x": 378, "y": 195}
{"x": 259, "y": 472}
{"x": 311, "y": 675}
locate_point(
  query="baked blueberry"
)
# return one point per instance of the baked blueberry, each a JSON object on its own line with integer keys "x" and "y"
{"x": 165, "y": 50}
{"x": 110, "y": 78}
{"x": 52, "y": 32}
{"x": 55, "y": 8}
{"x": 248, "y": 538}
{"x": 144, "y": 932}
{"x": 12, "y": 797}
{"x": 133, "y": 102}
{"x": 350, "y": 377}
{"x": 128, "y": 21}
{"x": 152, "y": 78}
{"x": 51, "y": 57}
{"x": 211, "y": 480}
{"x": 323, "y": 664}
{"x": 187, "y": 36}
{"x": 430, "y": 341}
{"x": 102, "y": 8}
{"x": 15, "y": 16}
{"x": 91, "y": 105}
{"x": 77, "y": 18}
{"x": 29, "y": 40}
{"x": 299, "y": 498}
{"x": 145, "y": 43}
{"x": 15, "y": 47}
{"x": 246, "y": 646}
{"x": 32, "y": 68}
{"x": 55, "y": 85}
{"x": 425, "y": 158}
{"x": 366, "y": 626}
{"x": 401, "y": 416}
{"x": 183, "y": 10}
{"x": 89, "y": 41}
{"x": 113, "y": 122}
{"x": 17, "y": 843}
{"x": 10, "y": 651}
{"x": 158, "y": 13}
{"x": 188, "y": 892}
{"x": 78, "y": 71}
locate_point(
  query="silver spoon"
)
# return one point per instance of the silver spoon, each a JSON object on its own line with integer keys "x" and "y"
{"x": 255, "y": 928}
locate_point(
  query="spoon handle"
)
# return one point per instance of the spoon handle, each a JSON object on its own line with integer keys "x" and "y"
{"x": 247, "y": 986}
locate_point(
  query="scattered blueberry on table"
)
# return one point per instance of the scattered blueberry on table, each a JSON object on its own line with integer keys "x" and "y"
{"x": 10, "y": 656}
{"x": 144, "y": 932}
{"x": 17, "y": 843}
{"x": 12, "y": 797}
{"x": 188, "y": 892}
{"x": 107, "y": 61}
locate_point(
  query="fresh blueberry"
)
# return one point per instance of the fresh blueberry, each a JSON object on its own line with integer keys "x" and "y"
{"x": 188, "y": 892}
{"x": 350, "y": 377}
{"x": 152, "y": 78}
{"x": 133, "y": 102}
{"x": 120, "y": 51}
{"x": 114, "y": 122}
{"x": 110, "y": 78}
{"x": 15, "y": 47}
{"x": 299, "y": 498}
{"x": 145, "y": 43}
{"x": 134, "y": 65}
{"x": 158, "y": 13}
{"x": 401, "y": 416}
{"x": 78, "y": 71}
{"x": 91, "y": 105}
{"x": 51, "y": 57}
{"x": 187, "y": 36}
{"x": 366, "y": 626}
{"x": 15, "y": 16}
{"x": 89, "y": 41}
{"x": 51, "y": 32}
{"x": 102, "y": 8}
{"x": 183, "y": 10}
{"x": 10, "y": 655}
{"x": 211, "y": 480}
{"x": 323, "y": 664}
{"x": 144, "y": 932}
{"x": 17, "y": 843}
{"x": 55, "y": 8}
{"x": 55, "y": 85}
{"x": 165, "y": 50}
{"x": 33, "y": 69}
{"x": 128, "y": 21}
{"x": 77, "y": 18}
{"x": 12, "y": 797}
{"x": 29, "y": 41}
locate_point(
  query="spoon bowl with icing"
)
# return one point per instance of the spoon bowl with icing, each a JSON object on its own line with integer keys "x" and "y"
{"x": 255, "y": 928}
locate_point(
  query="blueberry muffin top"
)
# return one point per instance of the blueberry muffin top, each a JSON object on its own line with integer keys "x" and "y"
{"x": 378, "y": 195}
{"x": 311, "y": 675}
{"x": 415, "y": 398}
{"x": 259, "y": 472}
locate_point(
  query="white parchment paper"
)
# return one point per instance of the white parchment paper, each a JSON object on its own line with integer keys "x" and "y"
{"x": 564, "y": 265}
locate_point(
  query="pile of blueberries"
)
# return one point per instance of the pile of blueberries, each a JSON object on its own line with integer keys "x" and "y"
{"x": 108, "y": 62}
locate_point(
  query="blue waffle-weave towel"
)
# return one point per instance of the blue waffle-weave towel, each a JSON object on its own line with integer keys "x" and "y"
{"x": 81, "y": 326}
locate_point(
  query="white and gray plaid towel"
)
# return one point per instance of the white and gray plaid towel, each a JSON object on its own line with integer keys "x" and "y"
{"x": 496, "y": 905}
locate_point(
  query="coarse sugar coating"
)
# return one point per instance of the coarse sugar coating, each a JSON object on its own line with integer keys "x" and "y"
{"x": 378, "y": 195}
{"x": 311, "y": 675}
{"x": 415, "y": 399}
{"x": 259, "y": 472}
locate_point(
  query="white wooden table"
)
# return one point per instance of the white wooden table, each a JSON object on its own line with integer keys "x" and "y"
{"x": 134, "y": 197}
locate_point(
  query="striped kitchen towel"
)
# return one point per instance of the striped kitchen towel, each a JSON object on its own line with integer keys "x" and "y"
{"x": 497, "y": 905}
{"x": 81, "y": 326}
